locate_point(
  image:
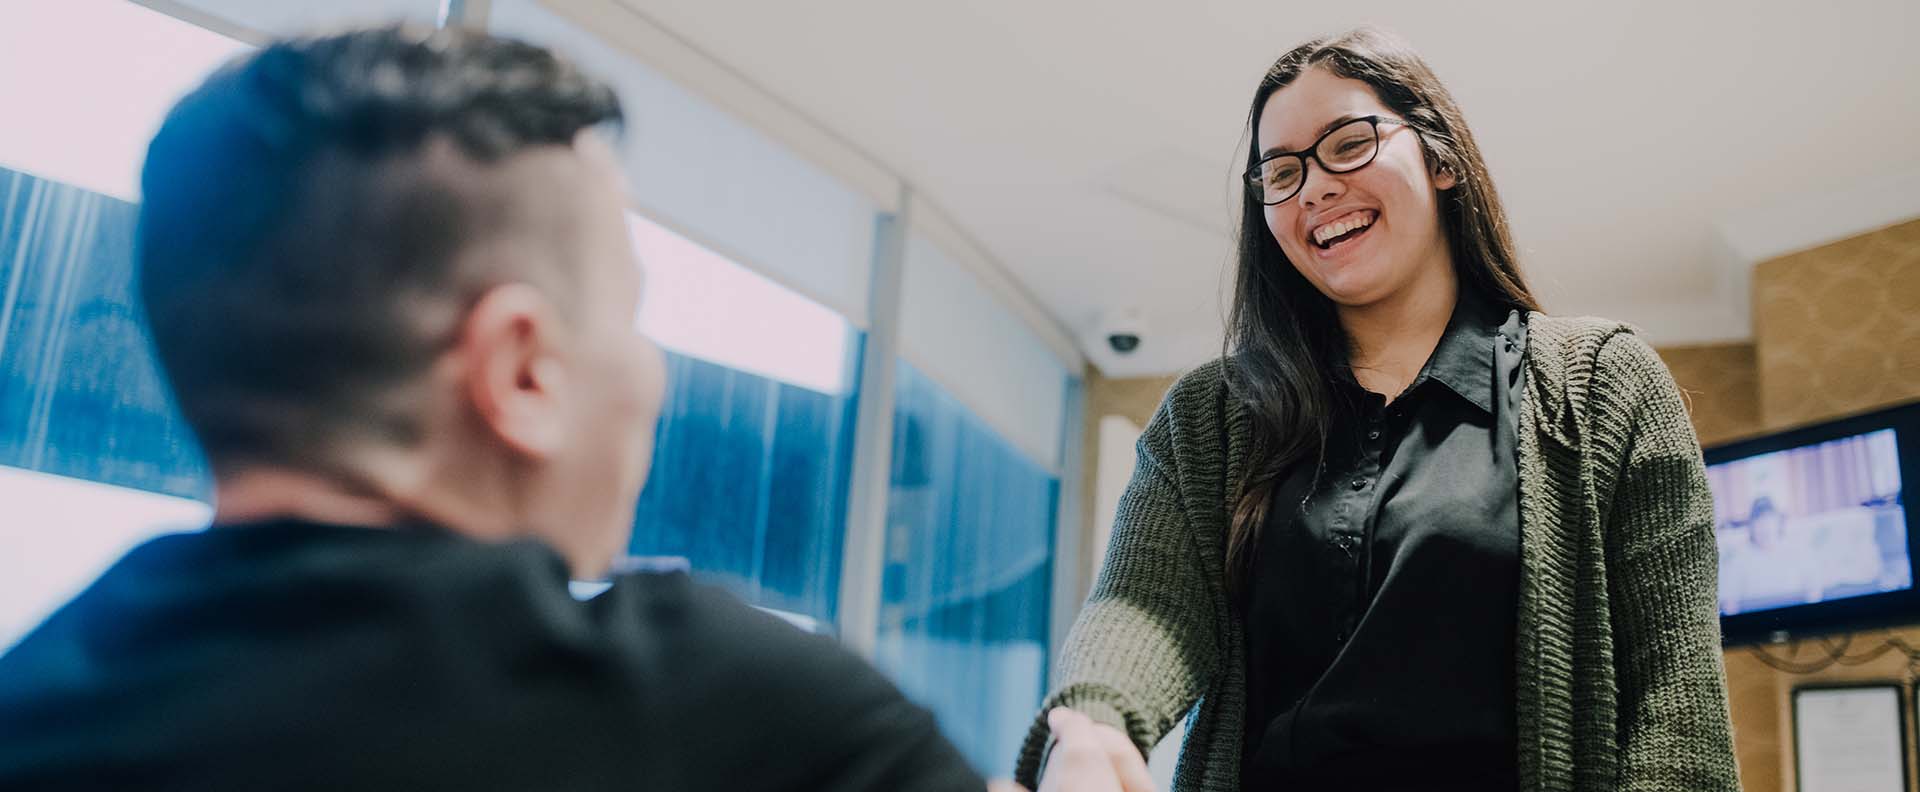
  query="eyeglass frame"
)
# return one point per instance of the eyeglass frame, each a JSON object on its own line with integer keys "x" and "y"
{"x": 1259, "y": 190}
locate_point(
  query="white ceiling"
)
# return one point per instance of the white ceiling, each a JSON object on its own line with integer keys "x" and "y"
{"x": 1647, "y": 152}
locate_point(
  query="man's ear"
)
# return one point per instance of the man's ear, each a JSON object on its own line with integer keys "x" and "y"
{"x": 514, "y": 375}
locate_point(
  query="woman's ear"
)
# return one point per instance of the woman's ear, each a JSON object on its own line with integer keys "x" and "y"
{"x": 1444, "y": 177}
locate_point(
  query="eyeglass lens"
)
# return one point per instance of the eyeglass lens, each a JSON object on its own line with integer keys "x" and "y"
{"x": 1347, "y": 147}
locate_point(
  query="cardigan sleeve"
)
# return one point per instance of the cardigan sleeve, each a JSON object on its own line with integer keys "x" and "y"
{"x": 1144, "y": 644}
{"x": 1675, "y": 731}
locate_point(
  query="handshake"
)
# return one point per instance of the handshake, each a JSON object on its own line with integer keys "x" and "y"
{"x": 1088, "y": 757}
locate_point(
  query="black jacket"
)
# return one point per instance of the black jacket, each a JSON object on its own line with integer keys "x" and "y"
{"x": 302, "y": 656}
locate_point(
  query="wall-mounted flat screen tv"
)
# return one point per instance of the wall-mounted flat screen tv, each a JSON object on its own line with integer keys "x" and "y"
{"x": 1814, "y": 527}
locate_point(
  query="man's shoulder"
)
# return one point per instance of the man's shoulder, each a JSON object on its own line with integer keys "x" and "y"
{"x": 673, "y": 602}
{"x": 729, "y": 674}
{"x": 687, "y": 627}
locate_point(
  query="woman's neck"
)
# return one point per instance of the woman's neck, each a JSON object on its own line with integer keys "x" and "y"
{"x": 1391, "y": 340}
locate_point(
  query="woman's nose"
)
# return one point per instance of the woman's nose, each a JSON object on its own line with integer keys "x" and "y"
{"x": 1319, "y": 186}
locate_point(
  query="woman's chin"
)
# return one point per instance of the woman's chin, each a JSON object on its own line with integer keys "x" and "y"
{"x": 1348, "y": 291}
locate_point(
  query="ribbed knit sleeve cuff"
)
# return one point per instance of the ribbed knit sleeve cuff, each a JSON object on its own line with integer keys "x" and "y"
{"x": 1099, "y": 704}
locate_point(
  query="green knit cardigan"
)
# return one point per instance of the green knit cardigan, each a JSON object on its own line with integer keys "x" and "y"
{"x": 1619, "y": 678}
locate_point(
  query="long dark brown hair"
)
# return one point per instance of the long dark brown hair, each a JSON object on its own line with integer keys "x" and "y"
{"x": 1283, "y": 336}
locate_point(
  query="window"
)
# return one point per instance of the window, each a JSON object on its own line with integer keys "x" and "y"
{"x": 749, "y": 481}
{"x": 93, "y": 456}
{"x": 80, "y": 395}
{"x": 969, "y": 559}
{"x": 700, "y": 169}
{"x": 751, "y": 468}
{"x": 755, "y": 443}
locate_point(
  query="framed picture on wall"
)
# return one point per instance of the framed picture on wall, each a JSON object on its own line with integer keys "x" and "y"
{"x": 1849, "y": 738}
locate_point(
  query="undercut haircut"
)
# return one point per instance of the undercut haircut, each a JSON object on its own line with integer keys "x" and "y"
{"x": 298, "y": 262}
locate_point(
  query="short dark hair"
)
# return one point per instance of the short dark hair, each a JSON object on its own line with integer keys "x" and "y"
{"x": 286, "y": 253}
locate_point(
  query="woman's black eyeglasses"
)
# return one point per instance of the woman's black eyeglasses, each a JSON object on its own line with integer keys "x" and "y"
{"x": 1343, "y": 149}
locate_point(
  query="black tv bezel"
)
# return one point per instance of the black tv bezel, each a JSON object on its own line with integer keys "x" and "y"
{"x": 1853, "y": 613}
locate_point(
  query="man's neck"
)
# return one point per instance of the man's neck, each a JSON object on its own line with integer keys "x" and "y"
{"x": 261, "y": 494}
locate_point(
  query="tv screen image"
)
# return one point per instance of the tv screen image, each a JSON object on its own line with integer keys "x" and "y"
{"x": 1815, "y": 523}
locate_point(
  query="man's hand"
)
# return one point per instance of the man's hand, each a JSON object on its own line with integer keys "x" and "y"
{"x": 1091, "y": 757}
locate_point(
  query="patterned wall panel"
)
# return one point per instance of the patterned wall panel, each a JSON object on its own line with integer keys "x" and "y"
{"x": 1838, "y": 327}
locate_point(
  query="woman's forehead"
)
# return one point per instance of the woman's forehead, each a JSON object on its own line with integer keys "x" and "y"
{"x": 1298, "y": 113}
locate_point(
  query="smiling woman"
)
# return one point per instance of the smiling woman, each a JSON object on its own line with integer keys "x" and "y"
{"x": 1409, "y": 532}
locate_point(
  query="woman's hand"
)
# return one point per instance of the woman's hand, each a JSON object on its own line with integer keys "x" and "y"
{"x": 1092, "y": 757}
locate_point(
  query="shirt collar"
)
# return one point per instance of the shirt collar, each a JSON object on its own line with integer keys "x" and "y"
{"x": 1464, "y": 359}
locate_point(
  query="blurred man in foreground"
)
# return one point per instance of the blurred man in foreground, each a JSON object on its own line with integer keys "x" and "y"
{"x": 389, "y": 278}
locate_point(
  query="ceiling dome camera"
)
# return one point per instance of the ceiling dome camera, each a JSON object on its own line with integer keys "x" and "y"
{"x": 1122, "y": 330}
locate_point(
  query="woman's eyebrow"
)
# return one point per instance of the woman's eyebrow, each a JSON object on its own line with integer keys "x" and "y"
{"x": 1344, "y": 118}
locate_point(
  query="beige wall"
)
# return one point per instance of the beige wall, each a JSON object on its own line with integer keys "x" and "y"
{"x": 1836, "y": 331}
{"x": 1133, "y": 399}
{"x": 1838, "y": 327}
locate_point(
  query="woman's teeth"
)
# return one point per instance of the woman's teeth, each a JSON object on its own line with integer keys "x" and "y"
{"x": 1351, "y": 223}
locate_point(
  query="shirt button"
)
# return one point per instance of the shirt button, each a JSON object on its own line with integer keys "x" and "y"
{"x": 1359, "y": 484}
{"x": 1340, "y": 637}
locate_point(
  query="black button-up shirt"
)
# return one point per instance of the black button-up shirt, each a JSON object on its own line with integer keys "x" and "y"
{"x": 1381, "y": 608}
